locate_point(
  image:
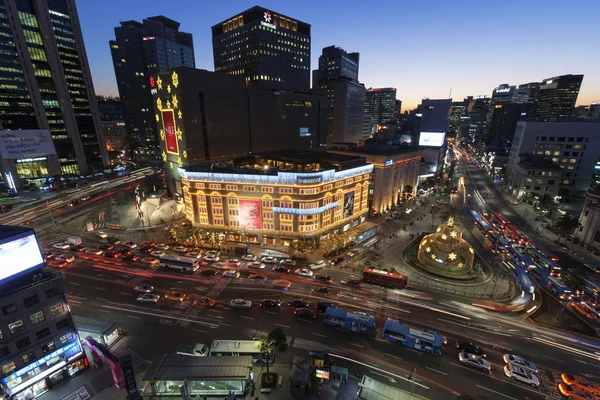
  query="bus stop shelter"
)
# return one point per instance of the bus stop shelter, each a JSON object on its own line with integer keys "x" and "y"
{"x": 104, "y": 332}
{"x": 177, "y": 375}
{"x": 370, "y": 389}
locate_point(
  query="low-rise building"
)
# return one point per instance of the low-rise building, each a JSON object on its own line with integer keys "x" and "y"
{"x": 588, "y": 232}
{"x": 536, "y": 181}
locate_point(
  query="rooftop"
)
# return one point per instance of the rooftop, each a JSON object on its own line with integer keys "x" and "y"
{"x": 540, "y": 164}
{"x": 178, "y": 368}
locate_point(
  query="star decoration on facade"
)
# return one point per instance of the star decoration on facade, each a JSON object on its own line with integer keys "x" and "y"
{"x": 471, "y": 250}
{"x": 453, "y": 234}
{"x": 175, "y": 101}
{"x": 159, "y": 104}
{"x": 179, "y": 160}
{"x": 428, "y": 249}
{"x": 168, "y": 104}
{"x": 460, "y": 265}
{"x": 179, "y": 114}
{"x": 159, "y": 83}
{"x": 162, "y": 134}
{"x": 179, "y": 133}
{"x": 175, "y": 79}
{"x": 171, "y": 164}
{"x": 185, "y": 154}
{"x": 169, "y": 88}
{"x": 157, "y": 118}
{"x": 452, "y": 256}
{"x": 433, "y": 256}
{"x": 164, "y": 156}
{"x": 444, "y": 237}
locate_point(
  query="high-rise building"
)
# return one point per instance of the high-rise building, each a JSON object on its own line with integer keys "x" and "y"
{"x": 508, "y": 105}
{"x": 380, "y": 104}
{"x": 271, "y": 50}
{"x": 337, "y": 78}
{"x": 50, "y": 97}
{"x": 110, "y": 108}
{"x": 139, "y": 51}
{"x": 557, "y": 96}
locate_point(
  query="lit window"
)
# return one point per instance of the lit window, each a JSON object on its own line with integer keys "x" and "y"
{"x": 16, "y": 326}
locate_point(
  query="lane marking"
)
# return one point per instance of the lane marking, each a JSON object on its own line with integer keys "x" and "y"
{"x": 435, "y": 370}
{"x": 215, "y": 311}
{"x": 126, "y": 294}
{"x": 552, "y": 358}
{"x": 391, "y": 355}
{"x": 318, "y": 334}
{"x": 105, "y": 311}
{"x": 271, "y": 312}
{"x": 74, "y": 283}
{"x": 164, "y": 315}
{"x": 200, "y": 330}
{"x": 133, "y": 316}
{"x": 99, "y": 288}
{"x": 101, "y": 299}
{"x": 357, "y": 345}
{"x": 493, "y": 391}
{"x": 283, "y": 326}
{"x": 224, "y": 324}
{"x": 243, "y": 316}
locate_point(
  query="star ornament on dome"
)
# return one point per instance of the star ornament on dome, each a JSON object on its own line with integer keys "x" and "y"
{"x": 439, "y": 229}
{"x": 452, "y": 256}
{"x": 471, "y": 250}
{"x": 424, "y": 241}
{"x": 460, "y": 265}
{"x": 175, "y": 101}
{"x": 453, "y": 234}
{"x": 433, "y": 256}
{"x": 444, "y": 237}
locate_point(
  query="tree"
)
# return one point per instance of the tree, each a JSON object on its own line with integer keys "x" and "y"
{"x": 278, "y": 338}
{"x": 407, "y": 192}
{"x": 566, "y": 226}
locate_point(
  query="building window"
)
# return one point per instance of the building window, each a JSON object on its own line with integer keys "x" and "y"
{"x": 48, "y": 347}
{"x": 62, "y": 324}
{"x": 218, "y": 211}
{"x": 199, "y": 185}
{"x": 566, "y": 182}
{"x": 248, "y": 188}
{"x": 539, "y": 181}
{"x": 201, "y": 199}
{"x": 51, "y": 292}
{"x": 232, "y": 201}
{"x": 43, "y": 333}
{"x": 9, "y": 309}
{"x": 21, "y": 344}
{"x": 57, "y": 309}
{"x": 37, "y": 317}
{"x": 8, "y": 368}
{"x": 215, "y": 186}
{"x": 216, "y": 199}
{"x": 231, "y": 187}
{"x": 4, "y": 352}
{"x": 66, "y": 337}
{"x": 31, "y": 300}
{"x": 286, "y": 190}
{"x": 266, "y": 189}
{"x": 28, "y": 357}
{"x": 1, "y": 336}
{"x": 16, "y": 326}
{"x": 551, "y": 182}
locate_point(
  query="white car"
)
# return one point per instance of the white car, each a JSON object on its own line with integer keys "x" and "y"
{"x": 240, "y": 303}
{"x": 520, "y": 374}
{"x": 157, "y": 253}
{"x": 62, "y": 246}
{"x": 318, "y": 264}
{"x": 353, "y": 253}
{"x": 161, "y": 246}
{"x": 179, "y": 249}
{"x": 521, "y": 362}
{"x": 256, "y": 264}
{"x": 287, "y": 262}
{"x": 303, "y": 272}
{"x": 269, "y": 260}
{"x": 93, "y": 251}
{"x": 144, "y": 288}
{"x": 66, "y": 257}
{"x": 193, "y": 254}
{"x": 211, "y": 257}
{"x": 233, "y": 261}
{"x": 148, "y": 298}
{"x": 231, "y": 274}
{"x": 131, "y": 245}
{"x": 249, "y": 257}
{"x": 212, "y": 253}
{"x": 102, "y": 234}
{"x": 472, "y": 360}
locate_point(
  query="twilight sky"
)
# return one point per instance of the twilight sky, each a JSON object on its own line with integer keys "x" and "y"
{"x": 424, "y": 49}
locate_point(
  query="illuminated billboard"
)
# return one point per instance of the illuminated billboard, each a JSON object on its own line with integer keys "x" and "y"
{"x": 250, "y": 214}
{"x": 168, "y": 118}
{"x": 348, "y": 204}
{"x": 432, "y": 139}
{"x": 26, "y": 143}
{"x": 19, "y": 254}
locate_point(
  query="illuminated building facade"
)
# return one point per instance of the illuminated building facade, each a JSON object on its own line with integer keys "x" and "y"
{"x": 270, "y": 50}
{"x": 380, "y": 104}
{"x": 115, "y": 134}
{"x": 278, "y": 197}
{"x": 557, "y": 97}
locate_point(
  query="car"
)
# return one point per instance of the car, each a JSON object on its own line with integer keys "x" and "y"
{"x": 147, "y": 244}
{"x": 336, "y": 261}
{"x": 194, "y": 254}
{"x": 58, "y": 263}
{"x": 305, "y": 313}
{"x": 129, "y": 257}
{"x": 323, "y": 305}
{"x": 149, "y": 260}
{"x": 176, "y": 296}
{"x": 231, "y": 274}
{"x": 318, "y": 265}
{"x": 93, "y": 251}
{"x": 77, "y": 249}
{"x": 287, "y": 261}
{"x": 240, "y": 303}
{"x": 282, "y": 283}
{"x": 106, "y": 247}
{"x": 66, "y": 257}
{"x": 211, "y": 257}
{"x": 49, "y": 255}
{"x": 582, "y": 308}
{"x": 124, "y": 251}
{"x": 256, "y": 264}
{"x": 324, "y": 278}
{"x": 355, "y": 282}
{"x": 520, "y": 374}
{"x": 249, "y": 257}
{"x": 130, "y": 245}
{"x": 204, "y": 301}
{"x": 470, "y": 348}
{"x": 298, "y": 303}
{"x": 161, "y": 246}
{"x": 84, "y": 198}
{"x": 474, "y": 361}
{"x": 209, "y": 272}
{"x": 281, "y": 268}
{"x": 269, "y": 303}
{"x": 62, "y": 246}
{"x": 113, "y": 240}
{"x": 269, "y": 260}
{"x": 520, "y": 361}
{"x": 213, "y": 253}
{"x": 323, "y": 290}
{"x": 257, "y": 277}
{"x": 353, "y": 253}
{"x": 180, "y": 249}
{"x": 299, "y": 257}
{"x": 148, "y": 298}
{"x": 303, "y": 272}
{"x": 582, "y": 383}
{"x": 111, "y": 254}
{"x": 144, "y": 249}
{"x": 575, "y": 393}
{"x": 144, "y": 288}
{"x": 233, "y": 261}
{"x": 157, "y": 253}
{"x": 102, "y": 234}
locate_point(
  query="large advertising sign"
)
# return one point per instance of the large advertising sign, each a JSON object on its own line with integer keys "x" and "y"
{"x": 348, "y": 204}
{"x": 433, "y": 139}
{"x": 168, "y": 118}
{"x": 18, "y": 255}
{"x": 250, "y": 214}
{"x": 26, "y": 143}
{"x": 309, "y": 179}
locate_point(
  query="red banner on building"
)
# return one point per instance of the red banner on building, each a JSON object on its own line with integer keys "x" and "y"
{"x": 250, "y": 214}
{"x": 168, "y": 117}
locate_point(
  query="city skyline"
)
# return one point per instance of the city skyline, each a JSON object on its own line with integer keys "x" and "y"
{"x": 440, "y": 48}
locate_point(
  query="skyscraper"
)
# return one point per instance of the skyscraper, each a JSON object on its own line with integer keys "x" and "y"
{"x": 51, "y": 96}
{"x": 270, "y": 50}
{"x": 337, "y": 78}
{"x": 557, "y": 97}
{"x": 380, "y": 104}
{"x": 140, "y": 51}
{"x": 508, "y": 105}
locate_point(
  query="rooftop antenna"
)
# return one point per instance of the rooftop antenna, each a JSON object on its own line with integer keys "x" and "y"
{"x": 450, "y": 94}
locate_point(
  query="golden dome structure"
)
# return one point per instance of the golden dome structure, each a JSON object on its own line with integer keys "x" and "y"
{"x": 446, "y": 252}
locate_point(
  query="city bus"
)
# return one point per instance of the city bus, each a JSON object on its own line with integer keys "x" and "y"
{"x": 544, "y": 262}
{"x": 484, "y": 227}
{"x": 592, "y": 289}
{"x": 514, "y": 233}
{"x": 524, "y": 282}
{"x": 383, "y": 278}
{"x": 496, "y": 243}
{"x": 424, "y": 340}
{"x": 499, "y": 220}
{"x": 476, "y": 216}
{"x": 221, "y": 348}
{"x": 551, "y": 256}
{"x": 558, "y": 288}
{"x": 522, "y": 260}
{"x": 350, "y": 321}
{"x": 186, "y": 264}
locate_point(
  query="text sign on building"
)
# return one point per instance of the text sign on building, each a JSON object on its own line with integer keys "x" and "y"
{"x": 306, "y": 180}
{"x": 421, "y": 334}
{"x": 34, "y": 142}
{"x": 129, "y": 377}
{"x": 267, "y": 21}
{"x": 250, "y": 214}
{"x": 389, "y": 162}
{"x": 168, "y": 118}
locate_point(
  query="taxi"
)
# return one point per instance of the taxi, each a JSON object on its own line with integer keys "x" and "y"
{"x": 282, "y": 283}
{"x": 582, "y": 383}
{"x": 575, "y": 393}
{"x": 176, "y": 296}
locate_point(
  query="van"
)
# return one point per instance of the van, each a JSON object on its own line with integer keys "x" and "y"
{"x": 322, "y": 305}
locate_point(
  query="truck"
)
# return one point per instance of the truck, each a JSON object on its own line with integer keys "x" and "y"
{"x": 74, "y": 240}
{"x": 194, "y": 350}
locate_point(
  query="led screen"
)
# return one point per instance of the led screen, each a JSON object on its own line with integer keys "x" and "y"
{"x": 348, "y": 204}
{"x": 433, "y": 139}
{"x": 250, "y": 214}
{"x": 19, "y": 255}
